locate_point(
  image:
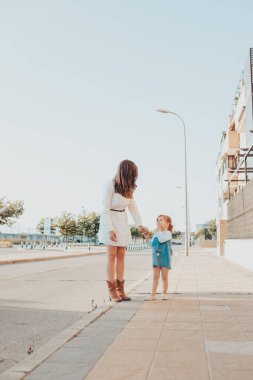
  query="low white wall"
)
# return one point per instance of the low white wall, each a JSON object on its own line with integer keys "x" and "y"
{"x": 240, "y": 251}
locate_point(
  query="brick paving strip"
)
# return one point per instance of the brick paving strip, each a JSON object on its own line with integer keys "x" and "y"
{"x": 204, "y": 331}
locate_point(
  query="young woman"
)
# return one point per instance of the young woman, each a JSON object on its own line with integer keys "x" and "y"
{"x": 114, "y": 228}
{"x": 161, "y": 254}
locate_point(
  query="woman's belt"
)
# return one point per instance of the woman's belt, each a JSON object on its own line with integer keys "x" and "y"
{"x": 112, "y": 209}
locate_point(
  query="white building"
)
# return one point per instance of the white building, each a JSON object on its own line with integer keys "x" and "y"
{"x": 234, "y": 174}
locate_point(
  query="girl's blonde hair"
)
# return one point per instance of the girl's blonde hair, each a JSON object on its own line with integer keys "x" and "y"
{"x": 168, "y": 220}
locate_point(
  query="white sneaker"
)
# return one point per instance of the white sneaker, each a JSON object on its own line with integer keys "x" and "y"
{"x": 165, "y": 296}
{"x": 151, "y": 298}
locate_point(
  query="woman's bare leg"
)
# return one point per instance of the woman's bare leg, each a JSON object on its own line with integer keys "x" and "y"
{"x": 156, "y": 275}
{"x": 111, "y": 259}
{"x": 165, "y": 278}
{"x": 120, "y": 262}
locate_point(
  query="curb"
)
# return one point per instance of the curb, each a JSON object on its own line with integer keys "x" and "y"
{"x": 27, "y": 365}
{"x": 31, "y": 260}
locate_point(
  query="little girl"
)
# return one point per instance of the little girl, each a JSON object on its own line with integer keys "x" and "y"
{"x": 161, "y": 254}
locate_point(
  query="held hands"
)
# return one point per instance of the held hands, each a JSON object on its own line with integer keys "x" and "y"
{"x": 145, "y": 232}
{"x": 113, "y": 236}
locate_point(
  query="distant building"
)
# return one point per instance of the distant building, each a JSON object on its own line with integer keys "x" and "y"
{"x": 234, "y": 174}
{"x": 201, "y": 226}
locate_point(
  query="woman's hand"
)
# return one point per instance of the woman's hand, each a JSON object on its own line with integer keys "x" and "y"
{"x": 113, "y": 236}
{"x": 144, "y": 230}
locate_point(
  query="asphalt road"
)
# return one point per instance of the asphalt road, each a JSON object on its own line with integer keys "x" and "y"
{"x": 40, "y": 299}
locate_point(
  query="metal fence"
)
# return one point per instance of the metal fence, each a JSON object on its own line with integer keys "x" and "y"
{"x": 136, "y": 246}
{"x": 240, "y": 214}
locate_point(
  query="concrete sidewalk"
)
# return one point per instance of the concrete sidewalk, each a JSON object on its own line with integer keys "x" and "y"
{"x": 204, "y": 331}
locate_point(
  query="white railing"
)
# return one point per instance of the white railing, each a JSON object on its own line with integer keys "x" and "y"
{"x": 136, "y": 246}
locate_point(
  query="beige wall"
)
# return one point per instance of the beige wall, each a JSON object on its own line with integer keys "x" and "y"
{"x": 207, "y": 243}
{"x": 234, "y": 139}
{"x": 222, "y": 235}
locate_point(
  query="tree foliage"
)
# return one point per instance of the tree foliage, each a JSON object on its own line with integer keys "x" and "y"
{"x": 81, "y": 223}
{"x": 10, "y": 211}
{"x": 88, "y": 224}
{"x": 67, "y": 225}
{"x": 208, "y": 232}
{"x": 136, "y": 233}
{"x": 213, "y": 227}
{"x": 85, "y": 224}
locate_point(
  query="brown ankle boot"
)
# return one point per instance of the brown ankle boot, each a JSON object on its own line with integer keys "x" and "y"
{"x": 113, "y": 292}
{"x": 121, "y": 291}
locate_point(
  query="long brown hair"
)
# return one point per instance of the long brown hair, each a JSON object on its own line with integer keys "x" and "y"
{"x": 168, "y": 220}
{"x": 126, "y": 176}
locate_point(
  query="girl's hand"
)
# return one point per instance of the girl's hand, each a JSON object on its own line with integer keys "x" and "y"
{"x": 113, "y": 236}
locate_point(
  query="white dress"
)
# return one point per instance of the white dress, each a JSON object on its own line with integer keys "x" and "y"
{"x": 114, "y": 220}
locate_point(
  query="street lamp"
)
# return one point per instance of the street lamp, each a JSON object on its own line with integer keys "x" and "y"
{"x": 185, "y": 179}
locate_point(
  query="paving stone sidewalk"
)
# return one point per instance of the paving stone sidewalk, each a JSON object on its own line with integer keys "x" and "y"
{"x": 204, "y": 331}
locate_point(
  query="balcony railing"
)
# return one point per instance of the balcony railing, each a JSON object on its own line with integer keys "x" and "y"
{"x": 243, "y": 172}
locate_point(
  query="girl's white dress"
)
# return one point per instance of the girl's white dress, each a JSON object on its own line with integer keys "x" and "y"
{"x": 114, "y": 220}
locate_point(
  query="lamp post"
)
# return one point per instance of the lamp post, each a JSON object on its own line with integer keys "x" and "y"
{"x": 185, "y": 179}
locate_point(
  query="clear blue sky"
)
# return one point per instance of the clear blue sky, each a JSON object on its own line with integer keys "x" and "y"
{"x": 79, "y": 83}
